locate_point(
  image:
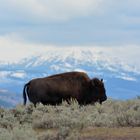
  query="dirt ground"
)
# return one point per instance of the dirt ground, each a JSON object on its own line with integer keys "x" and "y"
{"x": 102, "y": 133}
{"x": 99, "y": 133}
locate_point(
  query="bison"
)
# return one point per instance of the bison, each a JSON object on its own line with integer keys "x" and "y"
{"x": 56, "y": 88}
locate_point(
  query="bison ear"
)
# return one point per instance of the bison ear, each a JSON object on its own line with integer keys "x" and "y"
{"x": 101, "y": 80}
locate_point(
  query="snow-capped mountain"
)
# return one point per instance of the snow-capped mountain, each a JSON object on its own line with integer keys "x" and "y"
{"x": 120, "y": 72}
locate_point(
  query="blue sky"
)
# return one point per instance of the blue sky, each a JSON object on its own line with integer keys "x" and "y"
{"x": 74, "y": 22}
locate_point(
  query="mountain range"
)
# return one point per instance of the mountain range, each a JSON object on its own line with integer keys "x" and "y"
{"x": 120, "y": 73}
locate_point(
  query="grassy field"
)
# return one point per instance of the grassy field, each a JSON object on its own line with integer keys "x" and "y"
{"x": 113, "y": 120}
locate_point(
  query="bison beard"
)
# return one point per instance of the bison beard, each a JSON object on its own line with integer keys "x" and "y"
{"x": 56, "y": 88}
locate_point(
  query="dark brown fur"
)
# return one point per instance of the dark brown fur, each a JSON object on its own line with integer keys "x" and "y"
{"x": 53, "y": 89}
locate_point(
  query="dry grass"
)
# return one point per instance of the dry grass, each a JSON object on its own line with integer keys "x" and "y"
{"x": 114, "y": 120}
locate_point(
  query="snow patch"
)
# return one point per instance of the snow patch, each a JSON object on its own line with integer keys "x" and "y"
{"x": 3, "y": 90}
{"x": 80, "y": 70}
{"x": 128, "y": 78}
{"x": 18, "y": 74}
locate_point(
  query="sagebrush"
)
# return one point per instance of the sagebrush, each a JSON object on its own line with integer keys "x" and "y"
{"x": 65, "y": 121}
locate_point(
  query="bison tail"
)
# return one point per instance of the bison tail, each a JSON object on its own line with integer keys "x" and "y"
{"x": 25, "y": 90}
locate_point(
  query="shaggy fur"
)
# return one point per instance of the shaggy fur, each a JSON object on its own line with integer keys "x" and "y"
{"x": 53, "y": 89}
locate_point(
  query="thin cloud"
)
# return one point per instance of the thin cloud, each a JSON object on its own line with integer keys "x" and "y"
{"x": 48, "y": 10}
{"x": 72, "y": 21}
{"x": 39, "y": 11}
{"x": 14, "y": 50}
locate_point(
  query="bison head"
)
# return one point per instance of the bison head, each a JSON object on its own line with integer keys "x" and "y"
{"x": 99, "y": 92}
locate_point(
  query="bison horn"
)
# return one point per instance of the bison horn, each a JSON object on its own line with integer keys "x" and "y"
{"x": 101, "y": 80}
